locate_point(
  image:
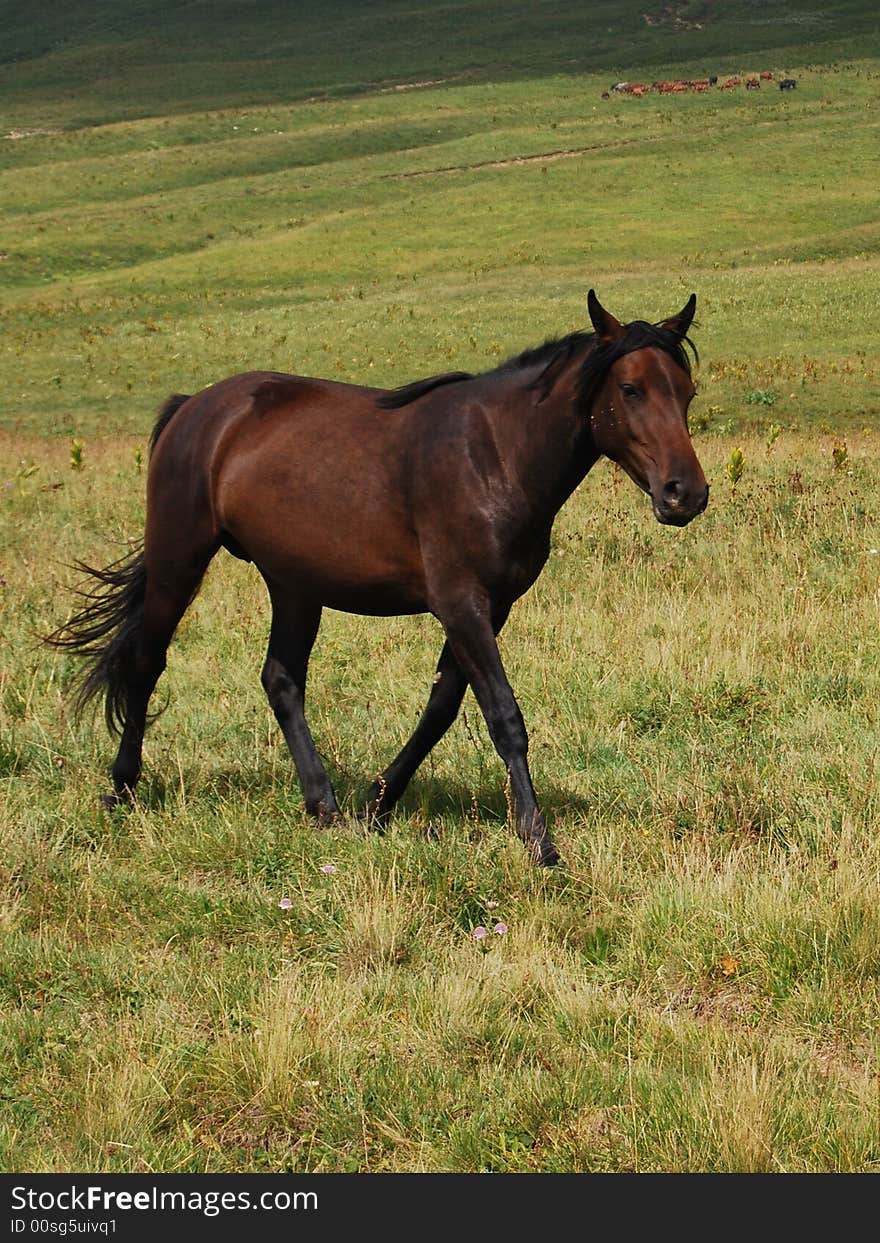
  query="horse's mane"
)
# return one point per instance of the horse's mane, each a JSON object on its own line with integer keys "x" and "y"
{"x": 409, "y": 392}
{"x": 555, "y": 353}
{"x": 599, "y": 357}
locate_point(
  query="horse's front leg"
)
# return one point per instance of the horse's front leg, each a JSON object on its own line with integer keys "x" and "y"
{"x": 471, "y": 635}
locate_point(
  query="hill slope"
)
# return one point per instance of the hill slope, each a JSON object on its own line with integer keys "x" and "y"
{"x": 193, "y": 189}
{"x": 87, "y": 62}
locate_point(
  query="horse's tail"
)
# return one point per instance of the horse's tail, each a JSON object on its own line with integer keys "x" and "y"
{"x": 166, "y": 414}
{"x": 105, "y": 631}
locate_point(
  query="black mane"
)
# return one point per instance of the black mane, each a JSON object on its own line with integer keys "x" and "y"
{"x": 555, "y": 353}
{"x": 409, "y": 392}
{"x": 554, "y": 350}
{"x": 638, "y": 335}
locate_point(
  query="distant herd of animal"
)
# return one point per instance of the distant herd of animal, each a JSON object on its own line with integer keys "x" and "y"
{"x": 700, "y": 85}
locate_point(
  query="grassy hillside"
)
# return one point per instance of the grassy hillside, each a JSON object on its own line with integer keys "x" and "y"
{"x": 379, "y": 192}
{"x": 383, "y": 233}
{"x": 94, "y": 61}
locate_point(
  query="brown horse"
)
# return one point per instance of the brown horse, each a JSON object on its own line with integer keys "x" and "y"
{"x": 438, "y": 497}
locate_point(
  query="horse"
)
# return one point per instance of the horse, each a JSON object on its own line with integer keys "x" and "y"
{"x": 436, "y": 497}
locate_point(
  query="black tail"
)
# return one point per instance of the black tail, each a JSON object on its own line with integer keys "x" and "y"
{"x": 105, "y": 631}
{"x": 166, "y": 414}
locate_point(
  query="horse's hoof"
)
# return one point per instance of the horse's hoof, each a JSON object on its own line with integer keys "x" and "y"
{"x": 324, "y": 815}
{"x": 372, "y": 817}
{"x": 375, "y": 814}
{"x": 545, "y": 854}
{"x": 110, "y": 802}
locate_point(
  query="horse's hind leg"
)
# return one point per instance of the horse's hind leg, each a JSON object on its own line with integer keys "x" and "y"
{"x": 441, "y": 710}
{"x": 294, "y": 627}
{"x": 166, "y": 598}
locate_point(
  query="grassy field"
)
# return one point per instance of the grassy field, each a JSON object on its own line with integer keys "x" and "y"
{"x": 698, "y": 988}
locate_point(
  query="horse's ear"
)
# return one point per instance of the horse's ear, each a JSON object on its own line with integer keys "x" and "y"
{"x": 607, "y": 327}
{"x": 680, "y": 323}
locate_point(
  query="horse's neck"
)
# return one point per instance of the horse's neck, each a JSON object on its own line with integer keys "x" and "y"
{"x": 552, "y": 445}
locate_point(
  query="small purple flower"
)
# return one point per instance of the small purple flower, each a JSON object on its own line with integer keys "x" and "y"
{"x": 328, "y": 869}
{"x": 479, "y": 933}
{"x": 500, "y": 929}
{"x": 286, "y": 904}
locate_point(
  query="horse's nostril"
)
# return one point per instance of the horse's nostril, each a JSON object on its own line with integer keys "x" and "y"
{"x": 673, "y": 492}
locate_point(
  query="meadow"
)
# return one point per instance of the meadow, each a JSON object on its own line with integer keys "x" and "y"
{"x": 208, "y": 982}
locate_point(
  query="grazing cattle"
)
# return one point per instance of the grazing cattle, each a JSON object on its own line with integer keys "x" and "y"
{"x": 606, "y": 95}
{"x": 731, "y": 83}
{"x": 765, "y": 75}
{"x": 438, "y": 497}
{"x": 752, "y": 84}
{"x": 713, "y": 79}
{"x": 787, "y": 84}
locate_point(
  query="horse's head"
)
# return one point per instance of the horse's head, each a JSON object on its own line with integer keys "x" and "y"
{"x": 638, "y": 409}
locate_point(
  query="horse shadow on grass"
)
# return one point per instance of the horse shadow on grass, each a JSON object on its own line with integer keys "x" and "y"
{"x": 427, "y": 797}
{"x": 432, "y": 797}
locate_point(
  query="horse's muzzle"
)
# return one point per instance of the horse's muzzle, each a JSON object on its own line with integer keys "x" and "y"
{"x": 678, "y": 504}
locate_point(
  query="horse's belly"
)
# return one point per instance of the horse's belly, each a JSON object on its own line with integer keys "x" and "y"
{"x": 378, "y": 601}
{"x": 371, "y": 598}
{"x": 350, "y": 571}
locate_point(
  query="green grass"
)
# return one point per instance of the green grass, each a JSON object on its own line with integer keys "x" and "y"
{"x": 328, "y": 239}
{"x": 698, "y": 988}
{"x": 93, "y": 62}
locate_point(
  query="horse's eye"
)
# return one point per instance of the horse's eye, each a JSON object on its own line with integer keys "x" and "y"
{"x": 630, "y": 390}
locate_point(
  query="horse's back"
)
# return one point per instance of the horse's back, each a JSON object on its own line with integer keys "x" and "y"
{"x": 295, "y": 434}
{"x": 308, "y": 479}
{"x": 260, "y": 420}
{"x": 335, "y": 493}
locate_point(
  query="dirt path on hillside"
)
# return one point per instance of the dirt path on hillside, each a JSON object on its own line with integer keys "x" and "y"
{"x": 544, "y": 157}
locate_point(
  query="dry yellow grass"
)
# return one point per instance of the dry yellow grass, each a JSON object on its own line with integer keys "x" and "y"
{"x": 697, "y": 989}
